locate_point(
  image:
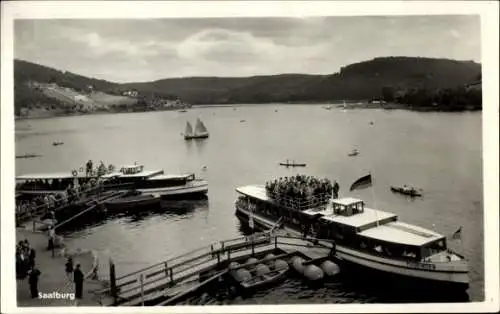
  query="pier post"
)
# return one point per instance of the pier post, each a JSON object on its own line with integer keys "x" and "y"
{"x": 275, "y": 242}
{"x": 112, "y": 280}
{"x": 141, "y": 278}
{"x": 253, "y": 248}
{"x": 171, "y": 276}
{"x": 166, "y": 269}
{"x": 229, "y": 254}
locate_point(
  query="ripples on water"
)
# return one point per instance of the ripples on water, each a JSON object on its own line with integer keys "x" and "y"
{"x": 401, "y": 147}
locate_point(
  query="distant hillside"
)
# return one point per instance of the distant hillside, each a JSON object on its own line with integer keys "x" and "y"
{"x": 44, "y": 91}
{"x": 360, "y": 81}
{"x": 434, "y": 84}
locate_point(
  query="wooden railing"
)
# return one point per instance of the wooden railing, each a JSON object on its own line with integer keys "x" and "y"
{"x": 155, "y": 279}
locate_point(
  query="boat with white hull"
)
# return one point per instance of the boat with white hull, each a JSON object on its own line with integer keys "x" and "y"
{"x": 365, "y": 237}
{"x": 156, "y": 182}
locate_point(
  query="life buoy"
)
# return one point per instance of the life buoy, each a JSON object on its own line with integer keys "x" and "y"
{"x": 74, "y": 173}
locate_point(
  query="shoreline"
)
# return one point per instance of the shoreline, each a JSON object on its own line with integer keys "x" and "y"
{"x": 352, "y": 106}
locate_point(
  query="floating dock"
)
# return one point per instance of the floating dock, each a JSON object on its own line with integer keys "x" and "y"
{"x": 171, "y": 281}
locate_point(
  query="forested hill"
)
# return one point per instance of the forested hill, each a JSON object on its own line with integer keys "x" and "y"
{"x": 360, "y": 81}
{"x": 416, "y": 82}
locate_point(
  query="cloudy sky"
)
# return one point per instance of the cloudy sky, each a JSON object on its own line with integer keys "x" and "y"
{"x": 130, "y": 50}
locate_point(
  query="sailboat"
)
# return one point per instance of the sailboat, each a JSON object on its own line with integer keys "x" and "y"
{"x": 199, "y": 132}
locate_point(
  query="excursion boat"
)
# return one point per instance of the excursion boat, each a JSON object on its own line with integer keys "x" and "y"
{"x": 49, "y": 183}
{"x": 200, "y": 131}
{"x": 366, "y": 238}
{"x": 155, "y": 182}
{"x": 406, "y": 191}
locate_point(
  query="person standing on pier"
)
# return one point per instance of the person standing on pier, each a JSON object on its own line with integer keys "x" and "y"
{"x": 33, "y": 282}
{"x": 78, "y": 279}
{"x": 89, "y": 168}
{"x": 69, "y": 267}
{"x": 336, "y": 190}
{"x": 31, "y": 259}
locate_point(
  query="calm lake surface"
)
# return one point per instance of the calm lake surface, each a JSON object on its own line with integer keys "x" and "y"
{"x": 438, "y": 152}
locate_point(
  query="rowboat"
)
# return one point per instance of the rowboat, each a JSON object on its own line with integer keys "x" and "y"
{"x": 353, "y": 153}
{"x": 28, "y": 156}
{"x": 133, "y": 202}
{"x": 292, "y": 164}
{"x": 259, "y": 276}
{"x": 406, "y": 191}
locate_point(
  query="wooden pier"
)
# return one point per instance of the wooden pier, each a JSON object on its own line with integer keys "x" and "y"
{"x": 167, "y": 282}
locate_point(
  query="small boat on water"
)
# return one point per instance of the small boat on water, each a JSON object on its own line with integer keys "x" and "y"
{"x": 406, "y": 191}
{"x": 291, "y": 164}
{"x": 260, "y": 275}
{"x": 328, "y": 107}
{"x": 182, "y": 110}
{"x": 135, "y": 202}
{"x": 200, "y": 131}
{"x": 243, "y": 121}
{"x": 353, "y": 153}
{"x": 28, "y": 156}
{"x": 57, "y": 143}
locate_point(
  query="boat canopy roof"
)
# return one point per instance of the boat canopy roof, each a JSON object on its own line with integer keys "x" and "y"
{"x": 255, "y": 191}
{"x": 50, "y": 176}
{"x": 182, "y": 176}
{"x": 360, "y": 220}
{"x": 401, "y": 233}
{"x": 144, "y": 173}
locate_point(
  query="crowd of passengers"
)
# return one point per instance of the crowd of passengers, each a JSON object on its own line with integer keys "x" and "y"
{"x": 302, "y": 189}
{"x": 50, "y": 201}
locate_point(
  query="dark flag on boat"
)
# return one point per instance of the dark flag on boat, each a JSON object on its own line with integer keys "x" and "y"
{"x": 457, "y": 234}
{"x": 361, "y": 183}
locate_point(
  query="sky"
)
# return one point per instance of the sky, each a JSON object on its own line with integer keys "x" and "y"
{"x": 136, "y": 50}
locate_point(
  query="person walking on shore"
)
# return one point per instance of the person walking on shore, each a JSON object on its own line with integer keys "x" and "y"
{"x": 78, "y": 279}
{"x": 69, "y": 267}
{"x": 33, "y": 282}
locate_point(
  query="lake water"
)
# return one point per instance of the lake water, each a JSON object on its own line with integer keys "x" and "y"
{"x": 438, "y": 152}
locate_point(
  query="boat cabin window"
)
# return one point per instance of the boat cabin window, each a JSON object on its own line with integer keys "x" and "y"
{"x": 348, "y": 210}
{"x": 434, "y": 248}
{"x": 132, "y": 169}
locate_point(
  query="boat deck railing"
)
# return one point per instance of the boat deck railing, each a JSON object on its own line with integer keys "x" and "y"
{"x": 164, "y": 278}
{"x": 299, "y": 203}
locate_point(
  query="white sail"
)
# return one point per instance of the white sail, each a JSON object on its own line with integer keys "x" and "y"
{"x": 200, "y": 128}
{"x": 189, "y": 129}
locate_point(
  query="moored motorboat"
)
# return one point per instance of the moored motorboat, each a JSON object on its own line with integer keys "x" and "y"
{"x": 135, "y": 202}
{"x": 369, "y": 238}
{"x": 155, "y": 182}
{"x": 406, "y": 190}
{"x": 57, "y": 143}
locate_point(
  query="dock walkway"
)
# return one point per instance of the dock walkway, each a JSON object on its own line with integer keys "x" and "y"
{"x": 53, "y": 277}
{"x": 179, "y": 275}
